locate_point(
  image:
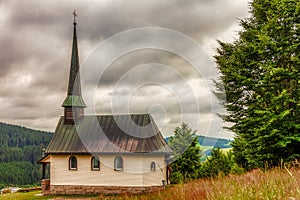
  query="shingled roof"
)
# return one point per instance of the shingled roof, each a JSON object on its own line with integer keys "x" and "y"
{"x": 109, "y": 134}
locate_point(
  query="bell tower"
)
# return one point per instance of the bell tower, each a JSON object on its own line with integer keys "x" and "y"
{"x": 74, "y": 104}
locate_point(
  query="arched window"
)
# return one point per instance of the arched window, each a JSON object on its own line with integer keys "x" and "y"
{"x": 95, "y": 163}
{"x": 152, "y": 166}
{"x": 118, "y": 163}
{"x": 73, "y": 163}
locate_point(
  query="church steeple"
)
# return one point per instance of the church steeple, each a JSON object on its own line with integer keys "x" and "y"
{"x": 74, "y": 104}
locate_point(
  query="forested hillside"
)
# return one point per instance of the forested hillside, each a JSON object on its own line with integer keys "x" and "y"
{"x": 212, "y": 141}
{"x": 20, "y": 149}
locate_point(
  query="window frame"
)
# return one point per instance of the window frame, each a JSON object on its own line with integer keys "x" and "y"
{"x": 116, "y": 168}
{"x": 153, "y": 166}
{"x": 92, "y": 163}
{"x": 71, "y": 164}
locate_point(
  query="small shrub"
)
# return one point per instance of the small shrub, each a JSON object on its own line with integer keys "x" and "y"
{"x": 176, "y": 178}
{"x": 219, "y": 164}
{"x": 235, "y": 169}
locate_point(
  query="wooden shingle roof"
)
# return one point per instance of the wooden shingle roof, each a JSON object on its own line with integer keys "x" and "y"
{"x": 109, "y": 134}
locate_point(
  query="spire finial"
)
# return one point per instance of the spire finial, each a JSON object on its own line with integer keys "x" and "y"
{"x": 75, "y": 15}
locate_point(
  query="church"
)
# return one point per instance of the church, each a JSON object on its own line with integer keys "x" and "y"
{"x": 102, "y": 154}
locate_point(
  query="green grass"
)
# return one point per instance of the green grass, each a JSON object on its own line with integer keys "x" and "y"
{"x": 279, "y": 184}
{"x": 32, "y": 195}
{"x": 204, "y": 148}
{"x": 21, "y": 196}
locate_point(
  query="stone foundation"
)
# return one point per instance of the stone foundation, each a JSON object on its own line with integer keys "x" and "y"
{"x": 46, "y": 186}
{"x": 76, "y": 189}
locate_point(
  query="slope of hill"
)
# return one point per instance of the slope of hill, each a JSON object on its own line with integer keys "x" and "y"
{"x": 20, "y": 149}
{"x": 214, "y": 142}
{"x": 208, "y": 143}
{"x": 211, "y": 141}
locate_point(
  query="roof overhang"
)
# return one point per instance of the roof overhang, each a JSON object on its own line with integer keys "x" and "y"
{"x": 45, "y": 159}
{"x": 111, "y": 153}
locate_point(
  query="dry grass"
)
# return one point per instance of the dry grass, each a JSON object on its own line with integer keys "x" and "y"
{"x": 277, "y": 184}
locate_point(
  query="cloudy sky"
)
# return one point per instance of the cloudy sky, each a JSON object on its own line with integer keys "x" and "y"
{"x": 136, "y": 56}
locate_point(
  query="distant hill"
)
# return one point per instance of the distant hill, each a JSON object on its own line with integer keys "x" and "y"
{"x": 215, "y": 142}
{"x": 20, "y": 149}
{"x": 211, "y": 142}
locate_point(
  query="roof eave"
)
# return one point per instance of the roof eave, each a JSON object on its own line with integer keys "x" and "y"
{"x": 74, "y": 101}
{"x": 42, "y": 160}
{"x": 111, "y": 153}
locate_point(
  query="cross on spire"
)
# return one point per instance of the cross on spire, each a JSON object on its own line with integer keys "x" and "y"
{"x": 75, "y": 15}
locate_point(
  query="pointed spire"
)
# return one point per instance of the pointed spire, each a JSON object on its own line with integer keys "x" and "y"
{"x": 74, "y": 87}
{"x": 74, "y": 99}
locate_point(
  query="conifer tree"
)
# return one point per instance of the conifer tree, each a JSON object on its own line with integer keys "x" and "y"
{"x": 261, "y": 71}
{"x": 186, "y": 161}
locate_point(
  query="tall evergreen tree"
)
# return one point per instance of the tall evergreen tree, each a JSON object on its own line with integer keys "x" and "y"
{"x": 186, "y": 161}
{"x": 261, "y": 72}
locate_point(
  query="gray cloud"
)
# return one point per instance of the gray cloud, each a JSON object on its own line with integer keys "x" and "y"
{"x": 36, "y": 38}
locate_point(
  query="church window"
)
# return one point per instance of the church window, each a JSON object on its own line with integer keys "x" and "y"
{"x": 73, "y": 163}
{"x": 118, "y": 163}
{"x": 152, "y": 166}
{"x": 95, "y": 163}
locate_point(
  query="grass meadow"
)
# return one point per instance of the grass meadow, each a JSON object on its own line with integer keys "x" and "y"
{"x": 279, "y": 183}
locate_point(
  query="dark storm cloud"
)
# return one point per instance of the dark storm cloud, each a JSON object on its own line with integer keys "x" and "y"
{"x": 195, "y": 18}
{"x": 127, "y": 63}
{"x": 36, "y": 39}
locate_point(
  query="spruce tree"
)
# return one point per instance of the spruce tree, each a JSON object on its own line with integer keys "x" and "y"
{"x": 187, "y": 153}
{"x": 261, "y": 75}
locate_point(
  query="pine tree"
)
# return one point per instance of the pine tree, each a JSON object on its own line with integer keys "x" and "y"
{"x": 187, "y": 153}
{"x": 260, "y": 73}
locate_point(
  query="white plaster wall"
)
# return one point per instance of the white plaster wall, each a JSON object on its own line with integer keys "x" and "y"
{"x": 136, "y": 171}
